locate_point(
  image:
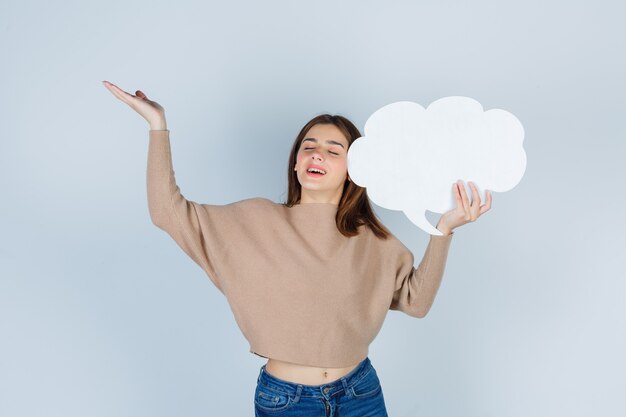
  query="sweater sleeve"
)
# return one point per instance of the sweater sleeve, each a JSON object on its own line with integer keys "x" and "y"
{"x": 200, "y": 230}
{"x": 416, "y": 288}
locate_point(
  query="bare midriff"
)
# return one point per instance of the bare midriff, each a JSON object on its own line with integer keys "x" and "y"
{"x": 303, "y": 374}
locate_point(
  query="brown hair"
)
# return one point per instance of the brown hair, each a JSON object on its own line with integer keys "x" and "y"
{"x": 354, "y": 208}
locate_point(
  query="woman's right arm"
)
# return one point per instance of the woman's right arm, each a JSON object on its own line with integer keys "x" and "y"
{"x": 162, "y": 189}
{"x": 190, "y": 224}
{"x": 169, "y": 209}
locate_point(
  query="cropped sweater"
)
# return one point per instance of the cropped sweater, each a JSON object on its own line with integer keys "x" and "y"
{"x": 299, "y": 290}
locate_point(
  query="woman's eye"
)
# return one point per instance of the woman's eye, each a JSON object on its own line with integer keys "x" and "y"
{"x": 334, "y": 153}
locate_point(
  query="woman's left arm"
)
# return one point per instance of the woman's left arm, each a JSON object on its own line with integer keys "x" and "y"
{"x": 416, "y": 288}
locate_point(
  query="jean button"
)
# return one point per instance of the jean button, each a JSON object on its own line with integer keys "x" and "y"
{"x": 326, "y": 390}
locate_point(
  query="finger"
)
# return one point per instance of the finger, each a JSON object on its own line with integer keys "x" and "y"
{"x": 140, "y": 94}
{"x": 123, "y": 95}
{"x": 475, "y": 206}
{"x": 457, "y": 195}
{"x": 475, "y": 195}
{"x": 485, "y": 207}
{"x": 465, "y": 199}
{"x": 116, "y": 92}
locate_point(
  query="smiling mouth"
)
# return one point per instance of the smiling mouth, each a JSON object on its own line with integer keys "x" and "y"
{"x": 314, "y": 174}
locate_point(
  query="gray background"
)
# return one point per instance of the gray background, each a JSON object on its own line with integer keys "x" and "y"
{"x": 102, "y": 315}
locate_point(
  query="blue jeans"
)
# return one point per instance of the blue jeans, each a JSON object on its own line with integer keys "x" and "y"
{"x": 357, "y": 394}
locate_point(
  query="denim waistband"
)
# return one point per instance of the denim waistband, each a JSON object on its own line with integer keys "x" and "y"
{"x": 326, "y": 390}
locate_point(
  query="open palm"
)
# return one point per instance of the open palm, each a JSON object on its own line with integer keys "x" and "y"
{"x": 150, "y": 110}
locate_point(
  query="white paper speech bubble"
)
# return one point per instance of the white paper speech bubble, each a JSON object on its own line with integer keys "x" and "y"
{"x": 409, "y": 157}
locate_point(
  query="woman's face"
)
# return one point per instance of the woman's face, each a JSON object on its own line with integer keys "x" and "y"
{"x": 325, "y": 147}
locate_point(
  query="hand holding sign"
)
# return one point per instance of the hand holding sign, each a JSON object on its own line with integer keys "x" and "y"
{"x": 409, "y": 156}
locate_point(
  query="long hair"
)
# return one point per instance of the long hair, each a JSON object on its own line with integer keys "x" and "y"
{"x": 354, "y": 208}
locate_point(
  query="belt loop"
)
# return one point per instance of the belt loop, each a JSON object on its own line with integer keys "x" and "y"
{"x": 346, "y": 389}
{"x": 298, "y": 392}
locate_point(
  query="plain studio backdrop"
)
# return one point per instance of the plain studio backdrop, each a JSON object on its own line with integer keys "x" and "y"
{"x": 101, "y": 314}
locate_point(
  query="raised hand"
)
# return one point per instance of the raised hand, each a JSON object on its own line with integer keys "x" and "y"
{"x": 464, "y": 212}
{"x": 150, "y": 110}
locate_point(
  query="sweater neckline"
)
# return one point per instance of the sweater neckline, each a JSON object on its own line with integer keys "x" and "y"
{"x": 326, "y": 207}
{"x": 306, "y": 204}
{"x": 316, "y": 205}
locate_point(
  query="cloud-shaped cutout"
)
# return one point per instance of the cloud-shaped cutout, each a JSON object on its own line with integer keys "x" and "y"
{"x": 409, "y": 157}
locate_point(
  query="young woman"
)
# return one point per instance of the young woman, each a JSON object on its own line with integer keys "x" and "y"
{"x": 310, "y": 280}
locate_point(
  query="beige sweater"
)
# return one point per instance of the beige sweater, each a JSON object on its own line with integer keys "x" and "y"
{"x": 299, "y": 290}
